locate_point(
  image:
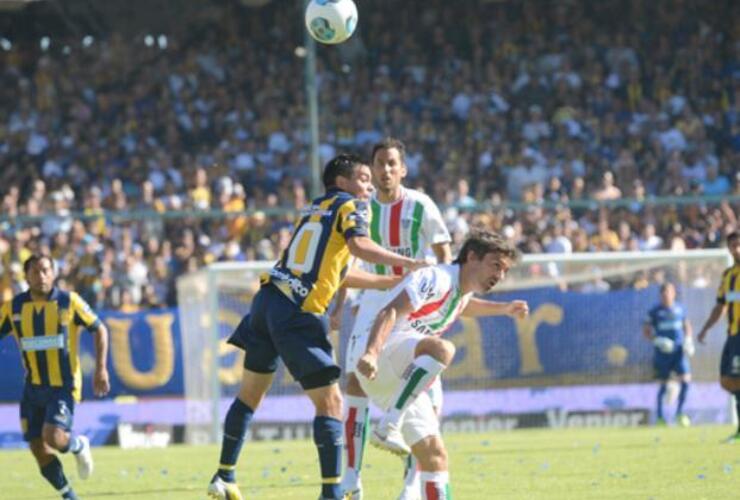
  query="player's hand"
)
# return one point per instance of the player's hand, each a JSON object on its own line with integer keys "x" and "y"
{"x": 702, "y": 336}
{"x": 367, "y": 365}
{"x": 688, "y": 347}
{"x": 101, "y": 382}
{"x": 417, "y": 264}
{"x": 517, "y": 309}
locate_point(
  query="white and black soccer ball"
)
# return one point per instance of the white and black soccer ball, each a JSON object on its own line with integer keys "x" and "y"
{"x": 331, "y": 21}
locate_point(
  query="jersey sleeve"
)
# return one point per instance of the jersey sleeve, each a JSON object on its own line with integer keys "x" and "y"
{"x": 723, "y": 286}
{"x": 434, "y": 227}
{"x": 6, "y": 316}
{"x": 353, "y": 219}
{"x": 82, "y": 313}
{"x": 424, "y": 286}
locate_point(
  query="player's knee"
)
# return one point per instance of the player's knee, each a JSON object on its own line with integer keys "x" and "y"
{"x": 435, "y": 456}
{"x": 353, "y": 386}
{"x": 730, "y": 384}
{"x": 54, "y": 437}
{"x": 440, "y": 349}
{"x": 328, "y": 401}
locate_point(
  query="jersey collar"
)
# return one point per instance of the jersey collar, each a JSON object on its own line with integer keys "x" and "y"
{"x": 374, "y": 197}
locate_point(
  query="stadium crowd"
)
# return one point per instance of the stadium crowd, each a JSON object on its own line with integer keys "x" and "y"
{"x": 534, "y": 102}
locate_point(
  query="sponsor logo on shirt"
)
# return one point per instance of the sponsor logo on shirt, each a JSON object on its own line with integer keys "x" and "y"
{"x": 42, "y": 343}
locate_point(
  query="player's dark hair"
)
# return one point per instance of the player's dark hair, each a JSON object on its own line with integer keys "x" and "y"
{"x": 482, "y": 242}
{"x": 390, "y": 143}
{"x": 733, "y": 236}
{"x": 33, "y": 259}
{"x": 666, "y": 285}
{"x": 341, "y": 165}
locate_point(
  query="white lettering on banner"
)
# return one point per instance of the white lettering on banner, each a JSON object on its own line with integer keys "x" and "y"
{"x": 624, "y": 418}
{"x": 42, "y": 343}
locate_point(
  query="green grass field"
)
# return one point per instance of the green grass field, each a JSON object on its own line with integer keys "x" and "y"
{"x": 657, "y": 463}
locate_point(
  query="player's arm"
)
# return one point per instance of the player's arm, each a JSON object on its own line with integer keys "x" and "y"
{"x": 688, "y": 330}
{"x": 101, "y": 382}
{"x": 443, "y": 252}
{"x": 84, "y": 316}
{"x": 481, "y": 307}
{"x": 688, "y": 343}
{"x": 359, "y": 278}
{"x": 714, "y": 316}
{"x": 398, "y": 307}
{"x": 366, "y": 249}
{"x": 647, "y": 330}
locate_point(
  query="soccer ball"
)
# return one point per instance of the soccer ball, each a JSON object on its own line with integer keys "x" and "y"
{"x": 331, "y": 21}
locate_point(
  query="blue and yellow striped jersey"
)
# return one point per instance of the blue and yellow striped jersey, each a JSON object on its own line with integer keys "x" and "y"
{"x": 312, "y": 267}
{"x": 48, "y": 335}
{"x": 729, "y": 294}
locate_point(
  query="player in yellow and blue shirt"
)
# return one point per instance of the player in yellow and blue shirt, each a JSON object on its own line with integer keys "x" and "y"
{"x": 46, "y": 323}
{"x": 728, "y": 299}
{"x": 668, "y": 328}
{"x": 288, "y": 319}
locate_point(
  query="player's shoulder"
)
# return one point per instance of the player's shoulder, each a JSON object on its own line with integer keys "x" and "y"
{"x": 439, "y": 276}
{"x": 344, "y": 199}
{"x": 421, "y": 197}
{"x": 730, "y": 270}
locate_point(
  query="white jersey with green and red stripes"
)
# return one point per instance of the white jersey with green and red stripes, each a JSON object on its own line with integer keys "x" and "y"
{"x": 436, "y": 297}
{"x": 408, "y": 227}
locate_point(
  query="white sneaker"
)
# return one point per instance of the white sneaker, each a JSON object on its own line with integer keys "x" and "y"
{"x": 387, "y": 436}
{"x": 84, "y": 459}
{"x": 221, "y": 490}
{"x": 352, "y": 491}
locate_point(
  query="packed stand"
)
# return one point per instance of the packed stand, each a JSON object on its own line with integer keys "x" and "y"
{"x": 509, "y": 111}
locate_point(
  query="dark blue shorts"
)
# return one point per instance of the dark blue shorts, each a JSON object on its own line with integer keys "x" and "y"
{"x": 276, "y": 327}
{"x": 50, "y": 405}
{"x": 730, "y": 363}
{"x": 676, "y": 362}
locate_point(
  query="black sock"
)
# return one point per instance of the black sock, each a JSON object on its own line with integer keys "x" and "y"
{"x": 235, "y": 427}
{"x": 328, "y": 436}
{"x": 737, "y": 410}
{"x": 54, "y": 473}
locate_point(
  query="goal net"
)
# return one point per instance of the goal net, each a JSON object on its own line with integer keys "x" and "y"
{"x": 584, "y": 329}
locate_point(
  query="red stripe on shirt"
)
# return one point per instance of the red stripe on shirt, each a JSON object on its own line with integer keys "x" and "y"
{"x": 394, "y": 236}
{"x": 429, "y": 308}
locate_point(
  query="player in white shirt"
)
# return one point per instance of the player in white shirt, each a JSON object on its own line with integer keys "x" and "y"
{"x": 407, "y": 222}
{"x": 404, "y": 351}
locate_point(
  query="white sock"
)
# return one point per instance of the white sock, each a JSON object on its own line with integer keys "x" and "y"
{"x": 417, "y": 377}
{"x": 435, "y": 485}
{"x": 411, "y": 474}
{"x": 355, "y": 434}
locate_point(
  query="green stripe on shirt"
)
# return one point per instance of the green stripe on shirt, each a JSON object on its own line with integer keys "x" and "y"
{"x": 375, "y": 230}
{"x": 415, "y": 226}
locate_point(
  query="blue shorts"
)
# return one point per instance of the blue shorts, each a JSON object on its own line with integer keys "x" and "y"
{"x": 676, "y": 362}
{"x": 730, "y": 362}
{"x": 276, "y": 327}
{"x": 45, "y": 405}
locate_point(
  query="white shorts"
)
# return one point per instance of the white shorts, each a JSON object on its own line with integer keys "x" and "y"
{"x": 370, "y": 302}
{"x": 420, "y": 419}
